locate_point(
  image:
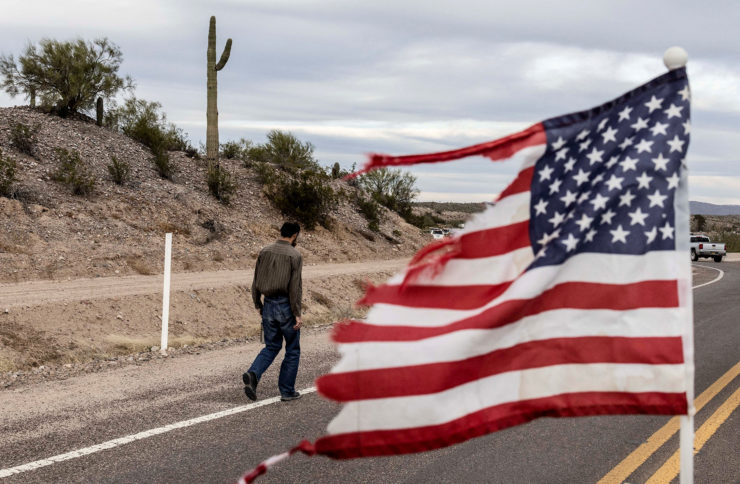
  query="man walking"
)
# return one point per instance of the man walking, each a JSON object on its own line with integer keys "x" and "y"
{"x": 277, "y": 277}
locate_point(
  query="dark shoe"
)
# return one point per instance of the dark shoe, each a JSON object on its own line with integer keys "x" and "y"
{"x": 287, "y": 398}
{"x": 250, "y": 385}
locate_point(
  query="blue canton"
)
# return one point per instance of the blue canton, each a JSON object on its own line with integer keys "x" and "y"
{"x": 607, "y": 180}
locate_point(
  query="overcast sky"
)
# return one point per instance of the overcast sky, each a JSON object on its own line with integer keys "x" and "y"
{"x": 404, "y": 77}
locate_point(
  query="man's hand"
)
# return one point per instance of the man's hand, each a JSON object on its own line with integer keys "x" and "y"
{"x": 298, "y": 323}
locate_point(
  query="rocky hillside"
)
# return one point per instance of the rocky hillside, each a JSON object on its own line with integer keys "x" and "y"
{"x": 46, "y": 232}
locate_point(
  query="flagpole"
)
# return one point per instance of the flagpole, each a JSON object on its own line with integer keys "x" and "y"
{"x": 674, "y": 58}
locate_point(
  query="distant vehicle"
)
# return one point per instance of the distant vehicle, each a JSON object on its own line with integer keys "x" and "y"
{"x": 701, "y": 246}
{"x": 437, "y": 234}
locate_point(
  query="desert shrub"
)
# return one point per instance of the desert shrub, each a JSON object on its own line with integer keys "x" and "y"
{"x": 284, "y": 150}
{"x": 220, "y": 183}
{"x": 163, "y": 164}
{"x": 192, "y": 152}
{"x": 236, "y": 150}
{"x": 266, "y": 173}
{"x": 66, "y": 76}
{"x": 370, "y": 209}
{"x": 393, "y": 189}
{"x": 24, "y": 138}
{"x": 336, "y": 171}
{"x": 73, "y": 172}
{"x": 305, "y": 196}
{"x": 7, "y": 176}
{"x": 119, "y": 171}
{"x": 731, "y": 241}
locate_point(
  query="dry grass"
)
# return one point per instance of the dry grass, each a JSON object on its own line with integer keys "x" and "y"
{"x": 140, "y": 266}
{"x": 169, "y": 227}
{"x": 130, "y": 344}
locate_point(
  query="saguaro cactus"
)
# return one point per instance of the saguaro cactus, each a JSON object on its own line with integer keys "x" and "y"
{"x": 212, "y": 106}
{"x": 99, "y": 111}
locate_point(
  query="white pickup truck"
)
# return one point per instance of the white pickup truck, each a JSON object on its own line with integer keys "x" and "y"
{"x": 701, "y": 246}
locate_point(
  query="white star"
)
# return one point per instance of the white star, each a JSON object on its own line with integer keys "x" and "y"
{"x": 660, "y": 162}
{"x": 673, "y": 111}
{"x": 560, "y": 155}
{"x": 582, "y": 134}
{"x": 595, "y": 155}
{"x": 656, "y": 199}
{"x": 626, "y": 198}
{"x": 569, "y": 198}
{"x": 612, "y": 161}
{"x": 569, "y": 164}
{"x": 599, "y": 202}
{"x": 590, "y": 235}
{"x": 546, "y": 238}
{"x": 608, "y": 135}
{"x": 651, "y": 235}
{"x": 637, "y": 217}
{"x": 558, "y": 144}
{"x": 644, "y": 145}
{"x": 659, "y": 128}
{"x": 666, "y": 231}
{"x": 581, "y": 177}
{"x": 619, "y": 235}
{"x": 654, "y": 103}
{"x": 628, "y": 164}
{"x": 584, "y": 222}
{"x": 541, "y": 207}
{"x": 584, "y": 145}
{"x": 686, "y": 127}
{"x": 584, "y": 196}
{"x": 570, "y": 243}
{"x": 606, "y": 217}
{"x": 624, "y": 114}
{"x": 545, "y": 173}
{"x": 673, "y": 181}
{"x": 555, "y": 186}
{"x": 602, "y": 124}
{"x": 627, "y": 142}
{"x": 639, "y": 124}
{"x": 676, "y": 144}
{"x": 615, "y": 182}
{"x": 556, "y": 219}
{"x": 685, "y": 93}
{"x": 599, "y": 178}
{"x": 643, "y": 181}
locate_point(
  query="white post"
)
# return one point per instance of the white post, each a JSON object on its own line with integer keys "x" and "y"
{"x": 674, "y": 58}
{"x": 166, "y": 291}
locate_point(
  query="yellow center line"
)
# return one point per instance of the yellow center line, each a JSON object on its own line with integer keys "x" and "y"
{"x": 630, "y": 463}
{"x": 670, "y": 469}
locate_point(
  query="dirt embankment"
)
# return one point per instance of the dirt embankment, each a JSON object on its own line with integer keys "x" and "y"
{"x": 50, "y": 327}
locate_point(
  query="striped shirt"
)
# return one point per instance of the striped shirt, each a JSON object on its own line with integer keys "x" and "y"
{"x": 278, "y": 273}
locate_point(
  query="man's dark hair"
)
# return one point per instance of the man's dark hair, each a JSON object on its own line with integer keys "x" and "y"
{"x": 289, "y": 229}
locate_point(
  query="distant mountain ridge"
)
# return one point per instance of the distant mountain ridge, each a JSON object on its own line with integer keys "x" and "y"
{"x": 702, "y": 208}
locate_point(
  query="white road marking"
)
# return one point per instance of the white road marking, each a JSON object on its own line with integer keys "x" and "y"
{"x": 720, "y": 276}
{"x": 185, "y": 423}
{"x": 140, "y": 436}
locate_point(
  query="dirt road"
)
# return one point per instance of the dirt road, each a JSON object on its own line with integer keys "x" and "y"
{"x": 42, "y": 292}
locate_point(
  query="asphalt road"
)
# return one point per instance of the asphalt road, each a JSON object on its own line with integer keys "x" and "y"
{"x": 571, "y": 450}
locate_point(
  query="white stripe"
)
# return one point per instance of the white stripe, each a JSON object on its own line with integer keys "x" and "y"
{"x": 529, "y": 156}
{"x": 486, "y": 270}
{"x": 561, "y": 323}
{"x": 512, "y": 209}
{"x": 438, "y": 408}
{"x": 587, "y": 267}
{"x": 139, "y": 436}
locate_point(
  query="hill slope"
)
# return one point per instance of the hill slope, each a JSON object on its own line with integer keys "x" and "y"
{"x": 47, "y": 233}
{"x": 702, "y": 208}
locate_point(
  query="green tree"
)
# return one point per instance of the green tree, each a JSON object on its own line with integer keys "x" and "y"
{"x": 67, "y": 76}
{"x": 394, "y": 189}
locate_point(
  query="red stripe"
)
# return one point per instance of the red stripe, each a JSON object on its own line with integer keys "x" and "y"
{"x": 495, "y": 241}
{"x": 501, "y": 148}
{"x": 441, "y": 297}
{"x": 568, "y": 295}
{"x": 420, "y": 439}
{"x": 415, "y": 380}
{"x": 522, "y": 183}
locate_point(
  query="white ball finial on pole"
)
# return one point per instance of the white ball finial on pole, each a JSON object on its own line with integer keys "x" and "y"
{"x": 675, "y": 57}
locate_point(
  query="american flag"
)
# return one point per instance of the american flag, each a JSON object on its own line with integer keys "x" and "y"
{"x": 568, "y": 296}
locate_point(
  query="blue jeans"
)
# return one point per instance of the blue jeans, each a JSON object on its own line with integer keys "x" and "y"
{"x": 277, "y": 324}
